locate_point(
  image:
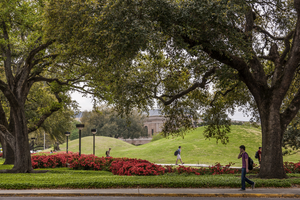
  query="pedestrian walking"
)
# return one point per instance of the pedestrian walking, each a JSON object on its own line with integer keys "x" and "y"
{"x": 178, "y": 155}
{"x": 107, "y": 153}
{"x": 245, "y": 169}
{"x": 259, "y": 156}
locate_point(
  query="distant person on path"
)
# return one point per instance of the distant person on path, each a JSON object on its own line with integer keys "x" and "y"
{"x": 245, "y": 169}
{"x": 178, "y": 155}
{"x": 51, "y": 151}
{"x": 259, "y": 156}
{"x": 108, "y": 153}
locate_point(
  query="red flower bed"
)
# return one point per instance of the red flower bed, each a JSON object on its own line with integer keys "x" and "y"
{"x": 219, "y": 169}
{"x": 90, "y": 162}
{"x": 1, "y": 154}
{"x": 213, "y": 170}
{"x": 127, "y": 166}
{"x": 290, "y": 167}
{"x": 47, "y": 160}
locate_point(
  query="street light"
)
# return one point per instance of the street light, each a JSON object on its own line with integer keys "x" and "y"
{"x": 94, "y": 131}
{"x": 33, "y": 138}
{"x": 67, "y": 134}
{"x": 80, "y": 127}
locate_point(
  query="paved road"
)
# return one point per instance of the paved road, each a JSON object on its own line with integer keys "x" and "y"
{"x": 133, "y": 198}
{"x": 155, "y": 193}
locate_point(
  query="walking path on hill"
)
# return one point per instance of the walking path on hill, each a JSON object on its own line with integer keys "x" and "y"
{"x": 165, "y": 192}
{"x": 194, "y": 165}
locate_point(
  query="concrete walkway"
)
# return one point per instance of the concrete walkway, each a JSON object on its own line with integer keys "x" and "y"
{"x": 193, "y": 165}
{"x": 168, "y": 192}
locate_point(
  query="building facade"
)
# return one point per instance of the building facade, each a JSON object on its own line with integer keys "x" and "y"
{"x": 154, "y": 122}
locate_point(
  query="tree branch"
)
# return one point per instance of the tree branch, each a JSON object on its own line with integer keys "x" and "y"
{"x": 261, "y": 30}
{"x": 287, "y": 46}
{"x": 193, "y": 87}
{"x": 234, "y": 62}
{"x": 223, "y": 94}
{"x": 7, "y": 56}
{"x": 24, "y": 72}
{"x": 291, "y": 111}
{"x": 8, "y": 137}
{"x": 49, "y": 80}
{"x": 46, "y": 115}
{"x": 3, "y": 119}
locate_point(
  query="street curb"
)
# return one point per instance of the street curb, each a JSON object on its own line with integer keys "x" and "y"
{"x": 260, "y": 195}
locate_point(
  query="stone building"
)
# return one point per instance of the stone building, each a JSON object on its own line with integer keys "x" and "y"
{"x": 154, "y": 122}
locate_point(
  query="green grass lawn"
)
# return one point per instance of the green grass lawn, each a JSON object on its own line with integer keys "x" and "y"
{"x": 195, "y": 149}
{"x": 67, "y": 178}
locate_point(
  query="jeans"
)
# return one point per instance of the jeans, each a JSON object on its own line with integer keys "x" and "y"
{"x": 245, "y": 179}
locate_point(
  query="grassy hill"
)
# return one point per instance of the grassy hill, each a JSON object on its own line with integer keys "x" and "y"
{"x": 195, "y": 149}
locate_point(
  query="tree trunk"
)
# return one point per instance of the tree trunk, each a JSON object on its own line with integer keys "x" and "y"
{"x": 22, "y": 161}
{"x": 272, "y": 132}
{"x": 3, "y": 143}
{"x": 9, "y": 155}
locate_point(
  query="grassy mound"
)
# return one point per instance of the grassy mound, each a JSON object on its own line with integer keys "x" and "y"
{"x": 195, "y": 149}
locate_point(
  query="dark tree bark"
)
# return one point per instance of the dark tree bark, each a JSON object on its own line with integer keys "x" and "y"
{"x": 268, "y": 93}
{"x": 9, "y": 155}
{"x": 272, "y": 132}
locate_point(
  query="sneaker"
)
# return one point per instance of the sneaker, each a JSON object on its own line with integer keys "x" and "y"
{"x": 241, "y": 189}
{"x": 253, "y": 186}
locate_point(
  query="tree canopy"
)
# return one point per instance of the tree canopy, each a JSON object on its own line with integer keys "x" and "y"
{"x": 191, "y": 56}
{"x": 108, "y": 123}
{"x": 36, "y": 77}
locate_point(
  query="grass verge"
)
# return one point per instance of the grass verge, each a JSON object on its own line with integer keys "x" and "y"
{"x": 67, "y": 178}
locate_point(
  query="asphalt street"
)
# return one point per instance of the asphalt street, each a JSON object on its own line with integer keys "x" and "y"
{"x": 134, "y": 198}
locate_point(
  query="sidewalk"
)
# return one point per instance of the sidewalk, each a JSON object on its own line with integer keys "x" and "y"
{"x": 193, "y": 165}
{"x": 167, "y": 192}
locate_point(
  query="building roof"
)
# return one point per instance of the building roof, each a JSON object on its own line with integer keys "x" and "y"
{"x": 155, "y": 112}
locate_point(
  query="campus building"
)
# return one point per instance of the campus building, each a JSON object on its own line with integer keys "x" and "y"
{"x": 154, "y": 122}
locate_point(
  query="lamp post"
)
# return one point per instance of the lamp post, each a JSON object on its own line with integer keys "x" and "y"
{"x": 94, "y": 131}
{"x": 33, "y": 138}
{"x": 80, "y": 127}
{"x": 67, "y": 134}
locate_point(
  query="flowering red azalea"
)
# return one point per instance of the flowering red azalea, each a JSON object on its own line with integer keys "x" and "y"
{"x": 131, "y": 166}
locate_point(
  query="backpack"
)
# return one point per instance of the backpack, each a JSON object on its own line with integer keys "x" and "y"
{"x": 256, "y": 154}
{"x": 250, "y": 163}
{"x": 176, "y": 152}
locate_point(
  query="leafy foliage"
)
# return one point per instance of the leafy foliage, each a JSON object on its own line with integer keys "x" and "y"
{"x": 291, "y": 137}
{"x": 109, "y": 123}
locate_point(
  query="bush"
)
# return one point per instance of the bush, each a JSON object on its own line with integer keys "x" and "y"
{"x": 130, "y": 166}
{"x": 157, "y": 137}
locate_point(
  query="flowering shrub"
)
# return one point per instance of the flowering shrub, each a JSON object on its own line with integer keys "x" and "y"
{"x": 214, "y": 170}
{"x": 290, "y": 167}
{"x": 47, "y": 160}
{"x": 123, "y": 166}
{"x": 90, "y": 162}
{"x": 1, "y": 154}
{"x": 219, "y": 169}
{"x": 130, "y": 167}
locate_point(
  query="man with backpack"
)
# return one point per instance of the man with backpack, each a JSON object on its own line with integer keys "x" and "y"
{"x": 245, "y": 168}
{"x": 177, "y": 153}
{"x": 107, "y": 153}
{"x": 258, "y": 155}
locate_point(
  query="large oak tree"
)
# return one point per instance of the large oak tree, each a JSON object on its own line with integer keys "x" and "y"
{"x": 173, "y": 51}
{"x": 28, "y": 59}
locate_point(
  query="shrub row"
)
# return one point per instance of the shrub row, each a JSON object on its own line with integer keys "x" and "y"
{"x": 120, "y": 166}
{"x": 128, "y": 166}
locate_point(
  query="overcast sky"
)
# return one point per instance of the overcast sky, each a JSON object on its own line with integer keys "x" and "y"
{"x": 86, "y": 105}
